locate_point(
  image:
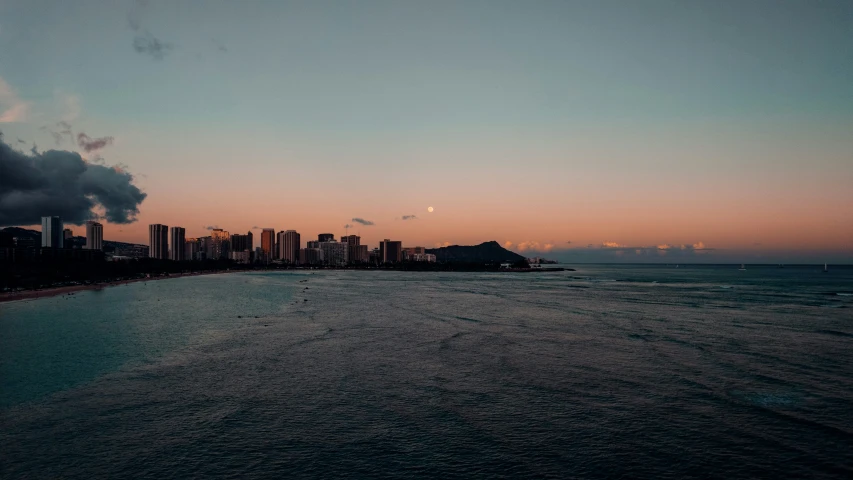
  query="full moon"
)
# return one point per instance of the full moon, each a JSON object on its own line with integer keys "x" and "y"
{"x": 429, "y": 209}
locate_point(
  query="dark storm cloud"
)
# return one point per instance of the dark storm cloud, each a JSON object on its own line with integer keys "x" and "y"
{"x": 148, "y": 44}
{"x": 409, "y": 217}
{"x": 58, "y": 182}
{"x": 362, "y": 221}
{"x": 90, "y": 144}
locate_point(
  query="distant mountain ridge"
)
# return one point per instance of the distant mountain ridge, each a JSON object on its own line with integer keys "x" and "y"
{"x": 487, "y": 252}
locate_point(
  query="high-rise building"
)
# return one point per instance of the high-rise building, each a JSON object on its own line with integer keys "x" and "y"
{"x": 178, "y": 243}
{"x": 313, "y": 244}
{"x": 310, "y": 256}
{"x": 205, "y": 248}
{"x": 94, "y": 236}
{"x": 242, "y": 243}
{"x": 351, "y": 239}
{"x": 67, "y": 236}
{"x": 191, "y": 249}
{"x": 267, "y": 243}
{"x": 158, "y": 241}
{"x": 325, "y": 237}
{"x": 288, "y": 244}
{"x": 358, "y": 254}
{"x": 51, "y": 232}
{"x": 390, "y": 252}
{"x": 334, "y": 253}
{"x": 221, "y": 243}
{"x": 354, "y": 249}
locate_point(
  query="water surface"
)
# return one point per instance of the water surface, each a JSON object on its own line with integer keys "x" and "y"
{"x": 642, "y": 371}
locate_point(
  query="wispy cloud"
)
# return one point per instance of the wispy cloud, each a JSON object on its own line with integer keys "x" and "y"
{"x": 363, "y": 221}
{"x": 12, "y": 108}
{"x": 91, "y": 144}
{"x": 612, "y": 245}
{"x": 211, "y": 227}
{"x": 348, "y": 226}
{"x": 148, "y": 44}
{"x": 144, "y": 42}
{"x": 409, "y": 217}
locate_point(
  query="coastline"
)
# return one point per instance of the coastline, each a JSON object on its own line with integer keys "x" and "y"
{"x": 56, "y": 291}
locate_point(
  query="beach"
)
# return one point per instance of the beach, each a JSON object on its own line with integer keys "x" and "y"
{"x": 69, "y": 289}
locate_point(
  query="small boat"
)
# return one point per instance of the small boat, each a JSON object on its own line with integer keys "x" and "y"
{"x": 742, "y": 267}
{"x": 825, "y": 269}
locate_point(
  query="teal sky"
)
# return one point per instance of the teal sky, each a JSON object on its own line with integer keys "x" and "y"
{"x": 735, "y": 113}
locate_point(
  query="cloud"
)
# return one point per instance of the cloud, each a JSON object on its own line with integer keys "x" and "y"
{"x": 664, "y": 246}
{"x": 508, "y": 244}
{"x": 440, "y": 244}
{"x": 611, "y": 245}
{"x": 363, "y": 221}
{"x": 22, "y": 141}
{"x": 90, "y": 144}
{"x": 533, "y": 246}
{"x": 58, "y": 182}
{"x": 569, "y": 242}
{"x": 348, "y": 226}
{"x": 698, "y": 246}
{"x": 12, "y": 108}
{"x": 144, "y": 42}
{"x": 211, "y": 227}
{"x": 148, "y": 44}
{"x": 409, "y": 217}
{"x": 255, "y": 227}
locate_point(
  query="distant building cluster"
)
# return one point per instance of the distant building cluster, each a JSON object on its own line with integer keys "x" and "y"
{"x": 284, "y": 247}
{"x": 171, "y": 243}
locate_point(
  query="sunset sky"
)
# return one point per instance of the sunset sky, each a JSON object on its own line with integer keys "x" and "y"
{"x": 579, "y": 130}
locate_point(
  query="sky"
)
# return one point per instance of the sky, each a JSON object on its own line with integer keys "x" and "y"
{"x": 665, "y": 131}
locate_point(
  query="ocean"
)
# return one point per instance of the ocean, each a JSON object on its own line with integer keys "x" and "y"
{"x": 634, "y": 371}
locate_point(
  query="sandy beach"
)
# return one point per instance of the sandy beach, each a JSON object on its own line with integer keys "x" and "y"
{"x": 52, "y": 292}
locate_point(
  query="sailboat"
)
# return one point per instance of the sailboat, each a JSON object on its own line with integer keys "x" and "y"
{"x": 742, "y": 267}
{"x": 825, "y": 269}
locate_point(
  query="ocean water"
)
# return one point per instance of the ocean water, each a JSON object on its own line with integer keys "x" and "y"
{"x": 608, "y": 371}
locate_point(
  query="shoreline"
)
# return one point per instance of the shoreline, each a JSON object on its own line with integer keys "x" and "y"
{"x": 56, "y": 291}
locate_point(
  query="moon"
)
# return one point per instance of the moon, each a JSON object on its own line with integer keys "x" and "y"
{"x": 429, "y": 209}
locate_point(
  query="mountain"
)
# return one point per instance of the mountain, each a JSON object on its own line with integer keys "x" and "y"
{"x": 488, "y": 252}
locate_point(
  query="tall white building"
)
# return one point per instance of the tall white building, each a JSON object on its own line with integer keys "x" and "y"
{"x": 51, "y": 232}
{"x": 177, "y": 243}
{"x": 94, "y": 236}
{"x": 288, "y": 246}
{"x": 158, "y": 241}
{"x": 334, "y": 253}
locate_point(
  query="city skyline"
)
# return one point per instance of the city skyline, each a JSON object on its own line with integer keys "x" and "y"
{"x": 707, "y": 132}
